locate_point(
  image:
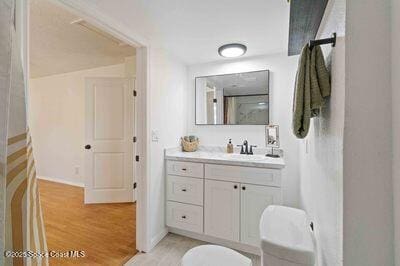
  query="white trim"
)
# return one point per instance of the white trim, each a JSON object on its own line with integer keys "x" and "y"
{"x": 143, "y": 150}
{"x": 62, "y": 181}
{"x": 93, "y": 16}
{"x": 134, "y": 148}
{"x": 155, "y": 240}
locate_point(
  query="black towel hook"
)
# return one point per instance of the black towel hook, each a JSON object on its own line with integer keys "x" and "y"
{"x": 331, "y": 40}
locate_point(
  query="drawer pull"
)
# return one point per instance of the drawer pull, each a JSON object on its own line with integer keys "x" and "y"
{"x": 184, "y": 169}
{"x": 184, "y": 189}
{"x": 184, "y": 217}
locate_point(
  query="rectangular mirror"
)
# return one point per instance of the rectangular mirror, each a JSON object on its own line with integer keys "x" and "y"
{"x": 233, "y": 99}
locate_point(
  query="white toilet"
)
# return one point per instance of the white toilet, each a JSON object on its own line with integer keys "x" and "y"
{"x": 286, "y": 237}
{"x": 213, "y": 255}
{"x": 286, "y": 240}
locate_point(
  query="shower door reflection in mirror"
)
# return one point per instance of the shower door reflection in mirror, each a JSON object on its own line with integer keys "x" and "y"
{"x": 233, "y": 99}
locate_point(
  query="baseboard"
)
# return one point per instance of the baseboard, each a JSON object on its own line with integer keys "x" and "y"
{"x": 58, "y": 180}
{"x": 217, "y": 241}
{"x": 155, "y": 240}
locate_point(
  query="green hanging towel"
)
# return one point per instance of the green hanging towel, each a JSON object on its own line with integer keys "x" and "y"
{"x": 311, "y": 88}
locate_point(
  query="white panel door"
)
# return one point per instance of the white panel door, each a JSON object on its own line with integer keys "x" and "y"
{"x": 222, "y": 209}
{"x": 109, "y": 146}
{"x": 254, "y": 199}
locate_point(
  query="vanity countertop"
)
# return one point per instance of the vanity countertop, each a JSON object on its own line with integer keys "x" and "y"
{"x": 217, "y": 156}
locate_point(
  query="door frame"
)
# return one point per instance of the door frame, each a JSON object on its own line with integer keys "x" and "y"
{"x": 142, "y": 102}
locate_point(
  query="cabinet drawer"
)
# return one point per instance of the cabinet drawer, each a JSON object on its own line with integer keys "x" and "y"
{"x": 185, "y": 169}
{"x": 240, "y": 174}
{"x": 185, "y": 216}
{"x": 185, "y": 189}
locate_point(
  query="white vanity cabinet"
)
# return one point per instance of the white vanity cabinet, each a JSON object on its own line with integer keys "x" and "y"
{"x": 185, "y": 192}
{"x": 232, "y": 211}
{"x": 222, "y": 209}
{"x": 220, "y": 201}
{"x": 253, "y": 200}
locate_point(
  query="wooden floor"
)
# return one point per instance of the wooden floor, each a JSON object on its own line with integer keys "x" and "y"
{"x": 106, "y": 232}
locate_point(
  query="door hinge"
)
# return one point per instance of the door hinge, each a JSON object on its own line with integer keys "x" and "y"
{"x": 137, "y": 158}
{"x": 134, "y": 185}
{"x": 134, "y": 139}
{"x": 134, "y": 93}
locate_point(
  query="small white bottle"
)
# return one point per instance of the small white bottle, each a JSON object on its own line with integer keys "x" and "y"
{"x": 229, "y": 147}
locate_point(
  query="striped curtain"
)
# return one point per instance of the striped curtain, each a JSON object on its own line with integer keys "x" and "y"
{"x": 20, "y": 204}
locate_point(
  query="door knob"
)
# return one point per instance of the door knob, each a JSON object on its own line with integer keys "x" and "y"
{"x": 88, "y": 147}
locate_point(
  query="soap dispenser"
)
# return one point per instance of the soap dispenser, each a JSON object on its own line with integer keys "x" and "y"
{"x": 229, "y": 147}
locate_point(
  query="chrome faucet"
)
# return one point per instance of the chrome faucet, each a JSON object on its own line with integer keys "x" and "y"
{"x": 245, "y": 148}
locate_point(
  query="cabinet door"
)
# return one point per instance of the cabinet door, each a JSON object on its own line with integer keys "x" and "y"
{"x": 254, "y": 199}
{"x": 222, "y": 209}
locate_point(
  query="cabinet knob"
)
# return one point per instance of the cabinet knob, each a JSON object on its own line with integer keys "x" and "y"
{"x": 235, "y": 186}
{"x": 184, "y": 169}
{"x": 88, "y": 147}
{"x": 184, "y": 189}
{"x": 243, "y": 188}
{"x": 184, "y": 217}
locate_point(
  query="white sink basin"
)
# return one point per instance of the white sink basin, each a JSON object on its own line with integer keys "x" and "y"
{"x": 244, "y": 157}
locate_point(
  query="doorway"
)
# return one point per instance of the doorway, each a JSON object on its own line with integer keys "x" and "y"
{"x": 81, "y": 116}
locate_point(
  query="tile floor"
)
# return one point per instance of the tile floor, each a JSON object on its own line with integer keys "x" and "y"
{"x": 170, "y": 251}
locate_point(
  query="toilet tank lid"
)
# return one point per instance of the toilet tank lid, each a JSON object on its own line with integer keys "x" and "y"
{"x": 285, "y": 233}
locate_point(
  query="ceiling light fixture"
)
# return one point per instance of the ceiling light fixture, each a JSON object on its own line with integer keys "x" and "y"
{"x": 232, "y": 50}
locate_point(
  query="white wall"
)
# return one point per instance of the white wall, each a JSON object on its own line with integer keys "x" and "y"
{"x": 321, "y": 168}
{"x": 165, "y": 104}
{"x": 56, "y": 120}
{"x": 321, "y": 152}
{"x": 396, "y": 121}
{"x": 282, "y": 74}
{"x": 368, "y": 191}
{"x": 167, "y": 121}
{"x": 130, "y": 66}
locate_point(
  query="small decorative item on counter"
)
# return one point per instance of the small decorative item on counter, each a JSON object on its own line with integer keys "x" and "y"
{"x": 272, "y": 139}
{"x": 229, "y": 147}
{"x": 190, "y": 143}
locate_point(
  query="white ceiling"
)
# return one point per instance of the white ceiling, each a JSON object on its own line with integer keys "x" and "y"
{"x": 57, "y": 47}
{"x": 194, "y": 29}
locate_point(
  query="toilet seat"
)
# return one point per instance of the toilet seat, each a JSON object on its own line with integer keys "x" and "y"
{"x": 213, "y": 255}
